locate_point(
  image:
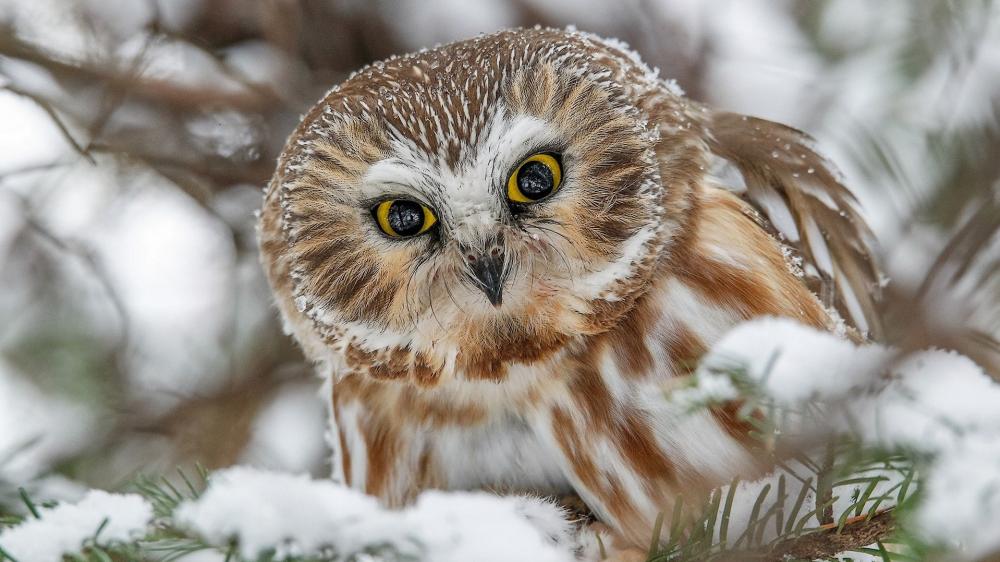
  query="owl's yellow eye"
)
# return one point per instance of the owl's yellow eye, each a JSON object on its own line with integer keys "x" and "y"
{"x": 401, "y": 218}
{"x": 536, "y": 178}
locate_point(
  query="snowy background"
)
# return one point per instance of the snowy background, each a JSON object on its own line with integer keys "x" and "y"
{"x": 136, "y": 331}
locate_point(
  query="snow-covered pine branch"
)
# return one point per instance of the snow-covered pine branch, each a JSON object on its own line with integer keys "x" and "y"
{"x": 934, "y": 407}
{"x": 282, "y": 516}
{"x": 99, "y": 519}
{"x": 297, "y": 516}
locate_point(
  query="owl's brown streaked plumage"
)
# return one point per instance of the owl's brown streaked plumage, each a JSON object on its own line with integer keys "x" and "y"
{"x": 524, "y": 346}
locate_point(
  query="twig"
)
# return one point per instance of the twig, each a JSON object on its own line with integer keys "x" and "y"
{"x": 47, "y": 107}
{"x": 858, "y": 532}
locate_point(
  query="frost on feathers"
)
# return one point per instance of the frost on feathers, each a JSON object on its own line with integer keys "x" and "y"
{"x": 298, "y": 516}
{"x": 64, "y": 528}
{"x": 937, "y": 404}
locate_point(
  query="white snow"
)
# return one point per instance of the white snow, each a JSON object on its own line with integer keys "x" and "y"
{"x": 708, "y": 388}
{"x": 942, "y": 404}
{"x": 935, "y": 403}
{"x": 795, "y": 363}
{"x": 299, "y": 516}
{"x": 961, "y": 502}
{"x": 64, "y": 528}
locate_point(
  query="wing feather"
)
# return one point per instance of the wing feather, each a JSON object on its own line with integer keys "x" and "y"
{"x": 804, "y": 200}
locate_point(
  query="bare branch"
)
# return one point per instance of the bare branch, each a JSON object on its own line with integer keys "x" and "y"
{"x": 56, "y": 119}
{"x": 160, "y": 91}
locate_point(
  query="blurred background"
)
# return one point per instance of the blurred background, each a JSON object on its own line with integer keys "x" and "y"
{"x": 136, "y": 330}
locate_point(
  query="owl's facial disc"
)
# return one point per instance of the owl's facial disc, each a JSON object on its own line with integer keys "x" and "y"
{"x": 475, "y": 216}
{"x": 468, "y": 220}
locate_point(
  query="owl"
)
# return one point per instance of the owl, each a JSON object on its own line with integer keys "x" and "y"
{"x": 500, "y": 251}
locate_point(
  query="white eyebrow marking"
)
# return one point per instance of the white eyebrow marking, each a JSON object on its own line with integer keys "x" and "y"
{"x": 391, "y": 171}
{"x": 405, "y": 172}
{"x": 509, "y": 139}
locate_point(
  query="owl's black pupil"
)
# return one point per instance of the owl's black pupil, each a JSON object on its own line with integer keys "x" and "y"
{"x": 406, "y": 217}
{"x": 535, "y": 180}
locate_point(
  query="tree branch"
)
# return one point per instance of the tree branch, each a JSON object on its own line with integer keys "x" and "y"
{"x": 160, "y": 91}
{"x": 826, "y": 542}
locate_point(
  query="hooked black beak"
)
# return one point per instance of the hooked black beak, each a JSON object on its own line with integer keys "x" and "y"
{"x": 487, "y": 273}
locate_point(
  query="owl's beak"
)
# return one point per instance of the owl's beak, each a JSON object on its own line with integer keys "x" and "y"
{"x": 487, "y": 273}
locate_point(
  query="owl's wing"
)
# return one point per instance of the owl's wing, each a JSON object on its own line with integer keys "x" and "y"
{"x": 803, "y": 198}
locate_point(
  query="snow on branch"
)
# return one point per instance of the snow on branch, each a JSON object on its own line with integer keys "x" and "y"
{"x": 99, "y": 519}
{"x": 288, "y": 515}
{"x": 937, "y": 406}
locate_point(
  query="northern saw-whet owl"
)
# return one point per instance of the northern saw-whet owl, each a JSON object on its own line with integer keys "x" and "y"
{"x": 500, "y": 251}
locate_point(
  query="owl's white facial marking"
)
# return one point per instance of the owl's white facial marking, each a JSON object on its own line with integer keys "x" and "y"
{"x": 469, "y": 196}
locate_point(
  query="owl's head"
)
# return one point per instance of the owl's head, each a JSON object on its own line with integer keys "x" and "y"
{"x": 468, "y": 208}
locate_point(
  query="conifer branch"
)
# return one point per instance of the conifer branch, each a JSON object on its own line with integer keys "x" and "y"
{"x": 825, "y": 542}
